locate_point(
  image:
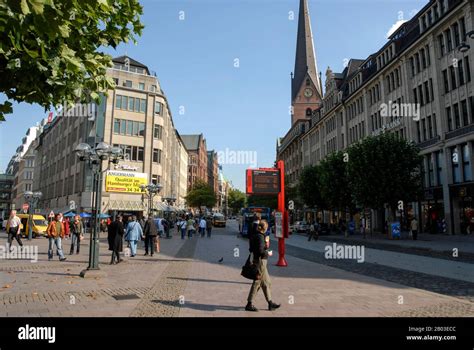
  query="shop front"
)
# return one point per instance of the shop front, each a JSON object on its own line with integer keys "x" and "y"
{"x": 462, "y": 208}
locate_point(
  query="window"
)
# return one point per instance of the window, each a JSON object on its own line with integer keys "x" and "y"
{"x": 415, "y": 96}
{"x": 442, "y": 47}
{"x": 123, "y": 127}
{"x": 428, "y": 59}
{"x": 427, "y": 92}
{"x": 118, "y": 101}
{"x": 135, "y": 129}
{"x": 418, "y": 132}
{"x": 155, "y": 179}
{"x": 124, "y": 102}
{"x": 466, "y": 163}
{"x": 457, "y": 120}
{"x": 130, "y": 104}
{"x": 455, "y": 29}
{"x": 435, "y": 11}
{"x": 468, "y": 69}
{"x": 157, "y": 131}
{"x": 127, "y": 83}
{"x": 439, "y": 166}
{"x": 453, "y": 77}
{"x": 141, "y": 86}
{"x": 445, "y": 80}
{"x": 430, "y": 128}
{"x": 455, "y": 165}
{"x": 463, "y": 27}
{"x": 129, "y": 127}
{"x": 461, "y": 72}
{"x": 156, "y": 155}
{"x": 417, "y": 61}
{"x": 423, "y": 58}
{"x": 420, "y": 92}
{"x": 430, "y": 170}
{"x": 117, "y": 126}
{"x": 140, "y": 154}
{"x": 412, "y": 65}
{"x": 423, "y": 123}
{"x": 308, "y": 82}
{"x": 142, "y": 105}
{"x": 141, "y": 129}
{"x": 449, "y": 40}
{"x": 431, "y": 89}
{"x": 465, "y": 116}
{"x": 449, "y": 118}
{"x": 158, "y": 106}
{"x": 153, "y": 88}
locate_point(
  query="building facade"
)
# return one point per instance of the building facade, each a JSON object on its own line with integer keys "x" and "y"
{"x": 135, "y": 116}
{"x": 6, "y": 185}
{"x": 213, "y": 171}
{"x": 197, "y": 164}
{"x": 420, "y": 74}
{"x": 24, "y": 176}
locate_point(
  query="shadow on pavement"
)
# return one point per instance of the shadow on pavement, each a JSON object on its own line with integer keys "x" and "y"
{"x": 204, "y": 280}
{"x": 200, "y": 307}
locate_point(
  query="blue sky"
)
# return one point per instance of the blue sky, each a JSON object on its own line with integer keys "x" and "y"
{"x": 241, "y": 108}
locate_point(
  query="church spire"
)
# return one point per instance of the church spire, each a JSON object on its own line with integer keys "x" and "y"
{"x": 305, "y": 61}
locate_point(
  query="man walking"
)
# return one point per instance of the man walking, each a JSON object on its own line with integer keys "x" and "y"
{"x": 55, "y": 232}
{"x": 313, "y": 231}
{"x": 202, "y": 226}
{"x": 259, "y": 248}
{"x": 414, "y": 228}
{"x": 13, "y": 230}
{"x": 209, "y": 227}
{"x": 77, "y": 232}
{"x": 115, "y": 239}
{"x": 151, "y": 232}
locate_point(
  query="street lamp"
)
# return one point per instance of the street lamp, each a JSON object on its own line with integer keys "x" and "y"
{"x": 94, "y": 157}
{"x": 32, "y": 199}
{"x": 464, "y": 47}
{"x": 151, "y": 190}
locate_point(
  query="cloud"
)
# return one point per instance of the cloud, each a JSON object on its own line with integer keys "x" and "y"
{"x": 395, "y": 27}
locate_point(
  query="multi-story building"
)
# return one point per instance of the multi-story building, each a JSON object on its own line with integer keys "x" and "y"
{"x": 6, "y": 185}
{"x": 213, "y": 170}
{"x": 135, "y": 116}
{"x": 29, "y": 137}
{"x": 420, "y": 72}
{"x": 24, "y": 176}
{"x": 197, "y": 164}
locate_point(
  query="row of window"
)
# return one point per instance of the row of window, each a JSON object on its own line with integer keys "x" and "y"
{"x": 129, "y": 127}
{"x": 420, "y": 61}
{"x": 357, "y": 132}
{"x": 137, "y": 154}
{"x": 357, "y": 107}
{"x": 452, "y": 37}
{"x": 424, "y": 94}
{"x": 374, "y": 94}
{"x": 458, "y": 75}
{"x": 385, "y": 56}
{"x": 426, "y": 128}
{"x": 132, "y": 104}
{"x": 331, "y": 145}
{"x": 457, "y": 115}
{"x": 355, "y": 83}
{"x": 393, "y": 80}
{"x": 331, "y": 125}
{"x": 432, "y": 15}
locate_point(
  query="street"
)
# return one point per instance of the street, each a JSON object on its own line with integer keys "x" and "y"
{"x": 201, "y": 277}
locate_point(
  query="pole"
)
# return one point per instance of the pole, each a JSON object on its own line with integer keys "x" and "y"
{"x": 281, "y": 208}
{"x": 98, "y": 206}
{"x": 30, "y": 221}
{"x": 93, "y": 226}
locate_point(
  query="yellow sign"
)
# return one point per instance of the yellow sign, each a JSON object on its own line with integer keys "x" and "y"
{"x": 125, "y": 181}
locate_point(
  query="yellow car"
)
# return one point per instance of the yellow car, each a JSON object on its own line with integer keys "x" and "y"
{"x": 38, "y": 228}
{"x": 218, "y": 220}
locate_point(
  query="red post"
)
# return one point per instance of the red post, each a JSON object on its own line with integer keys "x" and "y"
{"x": 281, "y": 208}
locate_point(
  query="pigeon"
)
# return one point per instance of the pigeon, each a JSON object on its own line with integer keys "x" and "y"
{"x": 221, "y": 260}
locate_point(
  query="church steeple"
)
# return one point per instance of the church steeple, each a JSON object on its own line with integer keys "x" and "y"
{"x": 305, "y": 61}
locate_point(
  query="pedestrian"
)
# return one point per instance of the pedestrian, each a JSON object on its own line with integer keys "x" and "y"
{"x": 77, "y": 234}
{"x": 202, "y": 226}
{"x": 314, "y": 231}
{"x": 166, "y": 227}
{"x": 252, "y": 227}
{"x": 259, "y": 245}
{"x": 190, "y": 223}
{"x": 133, "y": 235}
{"x": 13, "y": 230}
{"x": 115, "y": 238}
{"x": 414, "y": 228}
{"x": 150, "y": 231}
{"x": 182, "y": 227}
{"x": 362, "y": 227}
{"x": 209, "y": 226}
{"x": 55, "y": 232}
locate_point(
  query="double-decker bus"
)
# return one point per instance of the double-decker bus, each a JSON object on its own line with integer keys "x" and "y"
{"x": 247, "y": 218}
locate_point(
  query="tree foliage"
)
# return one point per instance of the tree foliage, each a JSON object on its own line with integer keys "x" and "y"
{"x": 201, "y": 195}
{"x": 236, "y": 200}
{"x": 49, "y": 48}
{"x": 309, "y": 187}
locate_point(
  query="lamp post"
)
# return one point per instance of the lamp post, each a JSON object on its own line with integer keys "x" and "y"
{"x": 464, "y": 47}
{"x": 151, "y": 190}
{"x": 32, "y": 199}
{"x": 93, "y": 158}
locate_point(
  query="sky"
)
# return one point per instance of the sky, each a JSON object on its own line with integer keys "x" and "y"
{"x": 225, "y": 67}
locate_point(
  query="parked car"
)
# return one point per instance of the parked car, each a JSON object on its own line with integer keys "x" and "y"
{"x": 300, "y": 226}
{"x": 218, "y": 220}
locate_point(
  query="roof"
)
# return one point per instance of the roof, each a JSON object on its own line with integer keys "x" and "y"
{"x": 191, "y": 142}
{"x": 134, "y": 63}
{"x": 305, "y": 60}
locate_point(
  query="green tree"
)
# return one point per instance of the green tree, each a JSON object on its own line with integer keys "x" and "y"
{"x": 309, "y": 187}
{"x": 48, "y": 48}
{"x": 236, "y": 200}
{"x": 334, "y": 182}
{"x": 201, "y": 195}
{"x": 384, "y": 169}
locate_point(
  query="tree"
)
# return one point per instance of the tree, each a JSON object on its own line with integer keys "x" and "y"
{"x": 236, "y": 200}
{"x": 384, "y": 169}
{"x": 334, "y": 182}
{"x": 48, "y": 48}
{"x": 309, "y": 187}
{"x": 201, "y": 195}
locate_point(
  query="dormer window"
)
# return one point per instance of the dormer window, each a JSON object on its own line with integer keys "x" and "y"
{"x": 309, "y": 112}
{"x": 308, "y": 83}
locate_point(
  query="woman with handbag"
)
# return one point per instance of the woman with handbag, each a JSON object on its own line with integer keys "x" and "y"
{"x": 259, "y": 244}
{"x": 76, "y": 234}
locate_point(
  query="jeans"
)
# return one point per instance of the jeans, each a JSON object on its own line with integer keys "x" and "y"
{"x": 183, "y": 233}
{"x": 150, "y": 244}
{"x": 209, "y": 231}
{"x": 56, "y": 241}
{"x": 75, "y": 240}
{"x": 190, "y": 233}
{"x": 202, "y": 231}
{"x": 12, "y": 235}
{"x": 133, "y": 248}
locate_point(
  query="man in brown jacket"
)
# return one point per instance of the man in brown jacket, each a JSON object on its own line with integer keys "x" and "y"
{"x": 55, "y": 233}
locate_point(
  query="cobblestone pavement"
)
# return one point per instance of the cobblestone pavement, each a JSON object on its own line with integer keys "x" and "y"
{"x": 201, "y": 277}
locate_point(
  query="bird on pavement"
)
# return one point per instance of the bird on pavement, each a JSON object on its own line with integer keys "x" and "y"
{"x": 221, "y": 260}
